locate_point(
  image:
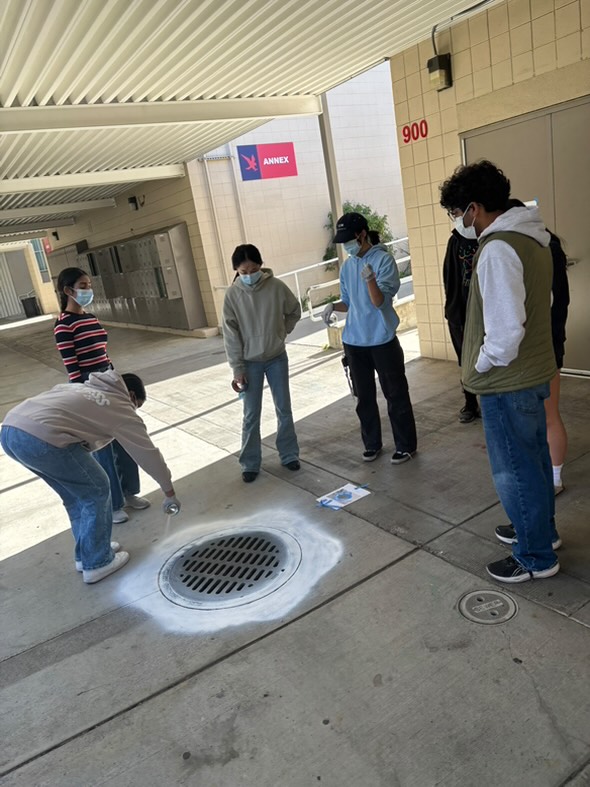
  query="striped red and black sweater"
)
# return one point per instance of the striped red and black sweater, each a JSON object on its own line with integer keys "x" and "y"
{"x": 82, "y": 343}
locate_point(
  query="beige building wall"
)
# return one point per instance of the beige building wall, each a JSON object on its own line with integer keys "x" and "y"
{"x": 165, "y": 202}
{"x": 44, "y": 291}
{"x": 517, "y": 57}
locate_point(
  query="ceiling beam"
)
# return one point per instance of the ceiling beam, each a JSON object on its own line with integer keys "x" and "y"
{"x": 80, "y": 180}
{"x": 22, "y": 120}
{"x": 33, "y": 226}
{"x": 25, "y": 236}
{"x": 51, "y": 210}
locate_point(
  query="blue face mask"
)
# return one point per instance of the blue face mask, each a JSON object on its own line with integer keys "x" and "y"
{"x": 352, "y": 247}
{"x": 250, "y": 278}
{"x": 83, "y": 297}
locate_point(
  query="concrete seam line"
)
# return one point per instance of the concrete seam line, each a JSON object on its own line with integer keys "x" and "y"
{"x": 576, "y": 772}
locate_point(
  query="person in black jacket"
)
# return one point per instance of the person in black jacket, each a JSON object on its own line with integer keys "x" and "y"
{"x": 556, "y": 433}
{"x": 457, "y": 269}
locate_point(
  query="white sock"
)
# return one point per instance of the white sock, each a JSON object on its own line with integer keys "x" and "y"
{"x": 557, "y": 475}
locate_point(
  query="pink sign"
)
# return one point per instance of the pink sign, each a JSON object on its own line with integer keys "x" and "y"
{"x": 259, "y": 162}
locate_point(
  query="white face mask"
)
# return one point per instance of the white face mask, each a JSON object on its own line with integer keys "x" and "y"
{"x": 467, "y": 232}
{"x": 83, "y": 297}
{"x": 352, "y": 247}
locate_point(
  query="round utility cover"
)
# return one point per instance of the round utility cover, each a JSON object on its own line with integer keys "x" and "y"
{"x": 487, "y": 606}
{"x": 230, "y": 568}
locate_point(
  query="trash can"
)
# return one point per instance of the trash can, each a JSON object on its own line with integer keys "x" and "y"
{"x": 31, "y": 307}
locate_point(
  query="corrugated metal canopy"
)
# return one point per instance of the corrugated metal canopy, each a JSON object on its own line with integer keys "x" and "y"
{"x": 98, "y": 94}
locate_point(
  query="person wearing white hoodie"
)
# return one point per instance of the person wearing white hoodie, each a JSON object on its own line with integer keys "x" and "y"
{"x": 508, "y": 360}
{"x": 53, "y": 434}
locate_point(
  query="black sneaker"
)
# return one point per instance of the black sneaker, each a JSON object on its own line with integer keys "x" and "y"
{"x": 507, "y": 535}
{"x": 370, "y": 456}
{"x": 248, "y": 477}
{"x": 468, "y": 414}
{"x": 294, "y": 465}
{"x": 402, "y": 456}
{"x": 510, "y": 570}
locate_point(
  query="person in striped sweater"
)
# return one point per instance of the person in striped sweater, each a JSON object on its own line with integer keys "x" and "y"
{"x": 82, "y": 344}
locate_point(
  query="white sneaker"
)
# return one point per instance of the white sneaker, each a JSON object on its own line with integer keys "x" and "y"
{"x": 120, "y": 516}
{"x": 96, "y": 574}
{"x": 136, "y": 502}
{"x": 115, "y": 546}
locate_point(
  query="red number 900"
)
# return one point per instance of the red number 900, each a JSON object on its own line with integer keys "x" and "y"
{"x": 415, "y": 131}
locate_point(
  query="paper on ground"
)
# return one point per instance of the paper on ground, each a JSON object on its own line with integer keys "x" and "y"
{"x": 343, "y": 496}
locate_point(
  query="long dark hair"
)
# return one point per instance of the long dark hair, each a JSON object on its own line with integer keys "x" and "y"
{"x": 245, "y": 252}
{"x": 67, "y": 278}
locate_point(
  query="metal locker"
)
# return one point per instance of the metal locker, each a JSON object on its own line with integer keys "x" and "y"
{"x": 168, "y": 266}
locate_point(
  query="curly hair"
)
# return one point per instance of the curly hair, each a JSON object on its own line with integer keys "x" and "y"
{"x": 482, "y": 182}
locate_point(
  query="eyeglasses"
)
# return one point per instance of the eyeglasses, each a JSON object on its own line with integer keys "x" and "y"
{"x": 455, "y": 213}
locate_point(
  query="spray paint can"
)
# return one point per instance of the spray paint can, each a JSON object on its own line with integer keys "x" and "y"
{"x": 171, "y": 509}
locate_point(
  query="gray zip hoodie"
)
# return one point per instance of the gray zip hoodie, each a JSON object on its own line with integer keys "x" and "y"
{"x": 500, "y": 274}
{"x": 92, "y": 414}
{"x": 257, "y": 319}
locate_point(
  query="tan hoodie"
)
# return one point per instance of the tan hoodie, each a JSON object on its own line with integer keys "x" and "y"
{"x": 257, "y": 319}
{"x": 92, "y": 414}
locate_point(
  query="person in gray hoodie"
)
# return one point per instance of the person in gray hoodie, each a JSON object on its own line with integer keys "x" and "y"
{"x": 53, "y": 434}
{"x": 508, "y": 360}
{"x": 258, "y": 313}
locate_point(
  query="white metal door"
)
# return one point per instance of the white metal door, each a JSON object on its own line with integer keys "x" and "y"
{"x": 571, "y": 164}
{"x": 10, "y": 305}
{"x": 546, "y": 156}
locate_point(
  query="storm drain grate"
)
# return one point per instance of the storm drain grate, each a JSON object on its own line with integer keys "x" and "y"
{"x": 230, "y": 568}
{"x": 487, "y": 606}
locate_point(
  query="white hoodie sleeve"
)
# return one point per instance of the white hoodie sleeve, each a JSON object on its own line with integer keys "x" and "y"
{"x": 501, "y": 281}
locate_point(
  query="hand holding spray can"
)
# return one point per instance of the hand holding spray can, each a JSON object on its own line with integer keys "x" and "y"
{"x": 171, "y": 506}
{"x": 240, "y": 387}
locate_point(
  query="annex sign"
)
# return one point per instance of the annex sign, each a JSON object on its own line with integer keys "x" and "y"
{"x": 259, "y": 162}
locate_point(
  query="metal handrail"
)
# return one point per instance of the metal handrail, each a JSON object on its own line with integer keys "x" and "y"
{"x": 295, "y": 273}
{"x": 321, "y": 264}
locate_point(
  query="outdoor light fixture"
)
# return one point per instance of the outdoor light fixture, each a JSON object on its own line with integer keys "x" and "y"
{"x": 439, "y": 69}
{"x": 439, "y": 66}
{"x": 135, "y": 202}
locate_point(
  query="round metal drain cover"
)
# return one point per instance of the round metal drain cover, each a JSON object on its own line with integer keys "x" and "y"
{"x": 230, "y": 568}
{"x": 487, "y": 606}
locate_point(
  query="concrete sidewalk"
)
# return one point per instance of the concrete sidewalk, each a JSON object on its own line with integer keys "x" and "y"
{"x": 359, "y": 671}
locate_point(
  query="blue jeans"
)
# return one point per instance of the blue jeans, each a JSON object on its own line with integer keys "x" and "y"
{"x": 127, "y": 470}
{"x": 277, "y": 374}
{"x": 106, "y": 459}
{"x": 516, "y": 438}
{"x": 80, "y": 482}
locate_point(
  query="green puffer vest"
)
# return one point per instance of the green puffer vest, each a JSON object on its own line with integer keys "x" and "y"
{"x": 535, "y": 362}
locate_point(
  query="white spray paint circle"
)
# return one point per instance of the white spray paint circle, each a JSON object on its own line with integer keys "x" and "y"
{"x": 320, "y": 553}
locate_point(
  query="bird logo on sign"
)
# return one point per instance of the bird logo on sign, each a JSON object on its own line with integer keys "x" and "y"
{"x": 251, "y": 162}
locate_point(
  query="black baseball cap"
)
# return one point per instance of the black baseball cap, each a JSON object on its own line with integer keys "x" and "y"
{"x": 349, "y": 226}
